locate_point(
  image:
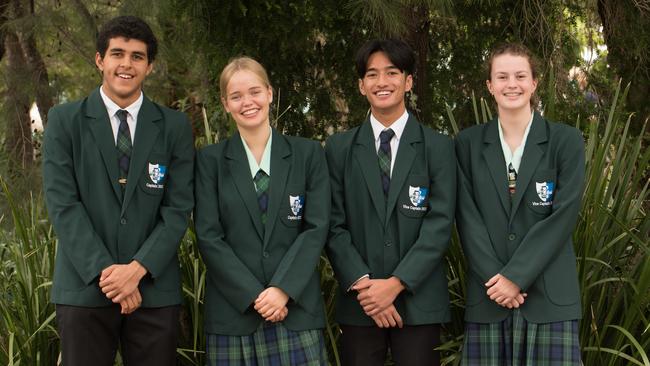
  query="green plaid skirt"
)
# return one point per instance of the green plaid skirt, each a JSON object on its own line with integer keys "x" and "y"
{"x": 516, "y": 342}
{"x": 272, "y": 344}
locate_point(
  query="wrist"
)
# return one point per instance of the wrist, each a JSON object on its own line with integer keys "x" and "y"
{"x": 397, "y": 284}
{"x": 139, "y": 269}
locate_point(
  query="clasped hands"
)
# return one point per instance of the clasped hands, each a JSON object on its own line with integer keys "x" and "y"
{"x": 376, "y": 297}
{"x": 119, "y": 282}
{"x": 505, "y": 292}
{"x": 271, "y": 304}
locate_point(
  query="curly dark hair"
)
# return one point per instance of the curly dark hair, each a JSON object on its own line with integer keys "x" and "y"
{"x": 129, "y": 27}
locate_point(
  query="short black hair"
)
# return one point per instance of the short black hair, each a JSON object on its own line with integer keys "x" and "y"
{"x": 397, "y": 51}
{"x": 129, "y": 27}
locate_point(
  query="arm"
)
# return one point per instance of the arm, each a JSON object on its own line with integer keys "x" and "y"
{"x": 297, "y": 265}
{"x": 435, "y": 230}
{"x": 346, "y": 261}
{"x": 547, "y": 237}
{"x": 474, "y": 237}
{"x": 78, "y": 240}
{"x": 236, "y": 281}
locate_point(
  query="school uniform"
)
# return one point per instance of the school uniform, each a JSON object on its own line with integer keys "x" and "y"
{"x": 396, "y": 232}
{"x": 100, "y": 222}
{"x": 248, "y": 248}
{"x": 526, "y": 236}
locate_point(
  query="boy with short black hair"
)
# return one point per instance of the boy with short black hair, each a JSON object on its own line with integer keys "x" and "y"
{"x": 118, "y": 181}
{"x": 386, "y": 242}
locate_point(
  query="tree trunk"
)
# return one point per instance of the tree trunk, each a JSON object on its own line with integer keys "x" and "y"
{"x": 18, "y": 142}
{"x": 418, "y": 38}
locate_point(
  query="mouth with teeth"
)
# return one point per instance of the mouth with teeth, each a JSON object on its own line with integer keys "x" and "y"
{"x": 250, "y": 112}
{"x": 383, "y": 93}
{"x": 125, "y": 76}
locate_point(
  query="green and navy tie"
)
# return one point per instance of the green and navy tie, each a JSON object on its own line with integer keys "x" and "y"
{"x": 384, "y": 155}
{"x": 261, "y": 181}
{"x": 124, "y": 146}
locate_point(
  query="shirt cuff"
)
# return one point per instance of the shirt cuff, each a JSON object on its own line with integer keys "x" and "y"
{"x": 367, "y": 275}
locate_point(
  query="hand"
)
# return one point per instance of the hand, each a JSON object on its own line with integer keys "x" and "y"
{"x": 279, "y": 315}
{"x": 131, "y": 302}
{"x": 376, "y": 295}
{"x": 270, "y": 302}
{"x": 504, "y": 292}
{"x": 388, "y": 318}
{"x": 120, "y": 280}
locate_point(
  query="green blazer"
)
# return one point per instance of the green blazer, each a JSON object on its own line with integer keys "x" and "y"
{"x": 96, "y": 224}
{"x": 393, "y": 236}
{"x": 526, "y": 238}
{"x": 243, "y": 257}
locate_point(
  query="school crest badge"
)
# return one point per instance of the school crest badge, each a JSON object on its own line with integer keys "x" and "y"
{"x": 157, "y": 173}
{"x": 545, "y": 191}
{"x": 296, "y": 203}
{"x": 418, "y": 195}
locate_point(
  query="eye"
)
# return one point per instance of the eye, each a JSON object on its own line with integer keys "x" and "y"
{"x": 392, "y": 73}
{"x": 138, "y": 57}
{"x": 371, "y": 75}
{"x": 235, "y": 98}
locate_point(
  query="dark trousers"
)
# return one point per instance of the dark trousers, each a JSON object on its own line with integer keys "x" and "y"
{"x": 90, "y": 336}
{"x": 409, "y": 346}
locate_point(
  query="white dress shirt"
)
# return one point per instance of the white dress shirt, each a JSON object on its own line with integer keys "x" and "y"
{"x": 397, "y": 127}
{"x": 131, "y": 118}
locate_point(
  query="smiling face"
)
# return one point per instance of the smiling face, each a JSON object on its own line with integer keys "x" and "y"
{"x": 511, "y": 82}
{"x": 247, "y": 99}
{"x": 124, "y": 67}
{"x": 384, "y": 84}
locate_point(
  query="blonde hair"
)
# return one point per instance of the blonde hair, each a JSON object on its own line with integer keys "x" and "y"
{"x": 238, "y": 64}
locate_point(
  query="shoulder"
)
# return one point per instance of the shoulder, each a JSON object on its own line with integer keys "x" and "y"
{"x": 171, "y": 117}
{"x": 562, "y": 132}
{"x": 341, "y": 140}
{"x": 301, "y": 143}
{"x": 471, "y": 133}
{"x": 213, "y": 151}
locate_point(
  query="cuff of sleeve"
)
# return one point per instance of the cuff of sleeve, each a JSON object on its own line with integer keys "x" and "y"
{"x": 367, "y": 275}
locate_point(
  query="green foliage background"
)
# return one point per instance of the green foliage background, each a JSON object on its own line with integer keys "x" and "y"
{"x": 308, "y": 47}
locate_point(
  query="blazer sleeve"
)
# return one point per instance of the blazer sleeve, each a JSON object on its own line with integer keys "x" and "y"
{"x": 546, "y": 238}
{"x": 346, "y": 261}
{"x": 77, "y": 238}
{"x": 239, "y": 286}
{"x": 162, "y": 244}
{"x": 474, "y": 237}
{"x": 297, "y": 265}
{"x": 435, "y": 230}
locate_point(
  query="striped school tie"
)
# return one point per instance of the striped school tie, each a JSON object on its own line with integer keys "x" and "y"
{"x": 124, "y": 146}
{"x": 261, "y": 181}
{"x": 384, "y": 155}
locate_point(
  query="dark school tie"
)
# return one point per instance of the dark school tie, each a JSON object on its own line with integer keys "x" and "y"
{"x": 512, "y": 179}
{"x": 261, "y": 181}
{"x": 384, "y": 155}
{"x": 124, "y": 146}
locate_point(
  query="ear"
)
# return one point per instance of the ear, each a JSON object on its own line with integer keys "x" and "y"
{"x": 362, "y": 89}
{"x": 489, "y": 86}
{"x": 225, "y": 105}
{"x": 149, "y": 68}
{"x": 534, "y": 86}
{"x": 99, "y": 61}
{"x": 270, "y": 91}
{"x": 409, "y": 83}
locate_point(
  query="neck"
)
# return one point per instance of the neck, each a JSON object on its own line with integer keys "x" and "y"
{"x": 256, "y": 139}
{"x": 388, "y": 117}
{"x": 514, "y": 122}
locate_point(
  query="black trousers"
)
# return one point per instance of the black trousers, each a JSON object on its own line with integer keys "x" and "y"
{"x": 409, "y": 346}
{"x": 90, "y": 336}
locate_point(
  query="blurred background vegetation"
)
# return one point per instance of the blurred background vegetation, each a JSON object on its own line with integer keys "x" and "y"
{"x": 595, "y": 62}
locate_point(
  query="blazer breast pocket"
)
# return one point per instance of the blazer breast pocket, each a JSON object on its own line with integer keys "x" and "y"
{"x": 541, "y": 191}
{"x": 413, "y": 201}
{"x": 154, "y": 177}
{"x": 292, "y": 206}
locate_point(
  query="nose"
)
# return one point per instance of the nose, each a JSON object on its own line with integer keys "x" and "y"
{"x": 381, "y": 79}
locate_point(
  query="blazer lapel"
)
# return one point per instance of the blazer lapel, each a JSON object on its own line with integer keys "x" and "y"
{"x": 100, "y": 127}
{"x": 146, "y": 133}
{"x": 366, "y": 154}
{"x": 533, "y": 152}
{"x": 496, "y": 163}
{"x": 403, "y": 161}
{"x": 242, "y": 180}
{"x": 280, "y": 165}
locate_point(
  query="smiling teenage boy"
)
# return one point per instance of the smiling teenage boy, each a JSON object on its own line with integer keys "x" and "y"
{"x": 118, "y": 175}
{"x": 386, "y": 241}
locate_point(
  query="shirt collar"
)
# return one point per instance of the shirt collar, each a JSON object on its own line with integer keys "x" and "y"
{"x": 397, "y": 126}
{"x": 514, "y": 156}
{"x": 265, "y": 163}
{"x": 112, "y": 107}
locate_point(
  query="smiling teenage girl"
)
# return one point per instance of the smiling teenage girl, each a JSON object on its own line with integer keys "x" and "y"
{"x": 520, "y": 185}
{"x": 261, "y": 220}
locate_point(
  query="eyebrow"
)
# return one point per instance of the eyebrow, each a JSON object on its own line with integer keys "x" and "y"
{"x": 117, "y": 49}
{"x": 390, "y": 67}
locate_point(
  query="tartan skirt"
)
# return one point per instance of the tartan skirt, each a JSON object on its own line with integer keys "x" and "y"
{"x": 272, "y": 344}
{"x": 516, "y": 342}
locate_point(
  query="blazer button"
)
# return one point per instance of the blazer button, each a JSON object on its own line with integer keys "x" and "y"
{"x": 123, "y": 221}
{"x": 265, "y": 254}
{"x": 512, "y": 237}
{"x": 388, "y": 243}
